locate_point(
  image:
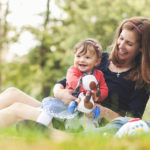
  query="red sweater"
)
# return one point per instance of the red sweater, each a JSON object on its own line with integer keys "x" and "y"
{"x": 73, "y": 75}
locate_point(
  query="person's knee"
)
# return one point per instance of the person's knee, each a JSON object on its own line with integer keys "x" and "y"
{"x": 13, "y": 112}
{"x": 16, "y": 107}
{"x": 12, "y": 90}
{"x": 13, "y": 93}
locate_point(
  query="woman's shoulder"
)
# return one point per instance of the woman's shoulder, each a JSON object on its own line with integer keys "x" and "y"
{"x": 104, "y": 61}
{"x": 105, "y": 55}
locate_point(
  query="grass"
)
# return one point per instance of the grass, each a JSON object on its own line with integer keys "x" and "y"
{"x": 29, "y": 138}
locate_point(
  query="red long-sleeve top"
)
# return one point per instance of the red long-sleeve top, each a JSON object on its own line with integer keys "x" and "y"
{"x": 74, "y": 74}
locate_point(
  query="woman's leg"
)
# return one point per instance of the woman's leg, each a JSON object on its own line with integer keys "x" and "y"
{"x": 13, "y": 95}
{"x": 17, "y": 112}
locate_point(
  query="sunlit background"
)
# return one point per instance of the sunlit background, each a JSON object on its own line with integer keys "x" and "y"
{"x": 22, "y": 13}
{"x": 36, "y": 49}
{"x": 37, "y": 37}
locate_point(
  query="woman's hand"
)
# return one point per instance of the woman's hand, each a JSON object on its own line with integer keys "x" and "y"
{"x": 65, "y": 95}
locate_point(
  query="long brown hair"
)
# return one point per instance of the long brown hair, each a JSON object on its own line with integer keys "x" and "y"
{"x": 141, "y": 70}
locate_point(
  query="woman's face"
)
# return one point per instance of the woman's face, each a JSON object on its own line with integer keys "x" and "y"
{"x": 128, "y": 46}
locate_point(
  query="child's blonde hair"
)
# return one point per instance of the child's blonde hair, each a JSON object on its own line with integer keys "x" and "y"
{"x": 88, "y": 45}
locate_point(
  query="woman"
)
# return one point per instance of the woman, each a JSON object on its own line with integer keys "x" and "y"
{"x": 126, "y": 71}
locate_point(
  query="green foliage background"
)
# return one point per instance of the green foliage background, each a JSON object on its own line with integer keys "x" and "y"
{"x": 45, "y": 64}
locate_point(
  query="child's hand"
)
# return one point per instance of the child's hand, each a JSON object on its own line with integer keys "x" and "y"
{"x": 95, "y": 98}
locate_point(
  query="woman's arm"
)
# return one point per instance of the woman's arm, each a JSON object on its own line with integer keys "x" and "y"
{"x": 65, "y": 95}
{"x": 107, "y": 113}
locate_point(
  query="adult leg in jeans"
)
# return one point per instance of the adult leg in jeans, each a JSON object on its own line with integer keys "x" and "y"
{"x": 113, "y": 126}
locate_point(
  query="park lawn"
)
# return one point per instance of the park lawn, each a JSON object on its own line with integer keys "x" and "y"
{"x": 27, "y": 139}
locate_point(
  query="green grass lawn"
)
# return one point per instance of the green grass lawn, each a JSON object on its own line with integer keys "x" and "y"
{"x": 32, "y": 139}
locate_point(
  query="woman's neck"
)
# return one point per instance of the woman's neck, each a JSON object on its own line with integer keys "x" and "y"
{"x": 121, "y": 68}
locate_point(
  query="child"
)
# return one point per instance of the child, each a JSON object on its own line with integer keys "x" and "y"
{"x": 87, "y": 56}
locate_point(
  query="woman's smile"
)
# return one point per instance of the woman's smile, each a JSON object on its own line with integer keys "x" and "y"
{"x": 122, "y": 52}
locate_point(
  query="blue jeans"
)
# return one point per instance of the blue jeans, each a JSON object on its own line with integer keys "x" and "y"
{"x": 115, "y": 125}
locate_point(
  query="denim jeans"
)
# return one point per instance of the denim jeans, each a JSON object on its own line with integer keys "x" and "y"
{"x": 115, "y": 125}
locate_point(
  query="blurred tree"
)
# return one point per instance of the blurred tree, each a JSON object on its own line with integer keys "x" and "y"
{"x": 5, "y": 39}
{"x": 98, "y": 19}
{"x": 48, "y": 55}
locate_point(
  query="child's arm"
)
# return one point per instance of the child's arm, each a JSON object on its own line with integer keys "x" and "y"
{"x": 103, "y": 86}
{"x": 73, "y": 76}
{"x": 65, "y": 95}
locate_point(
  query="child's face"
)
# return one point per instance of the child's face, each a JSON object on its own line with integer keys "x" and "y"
{"x": 86, "y": 62}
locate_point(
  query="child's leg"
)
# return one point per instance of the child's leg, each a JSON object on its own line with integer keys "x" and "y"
{"x": 44, "y": 118}
{"x": 12, "y": 95}
{"x": 16, "y": 113}
{"x": 48, "y": 103}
